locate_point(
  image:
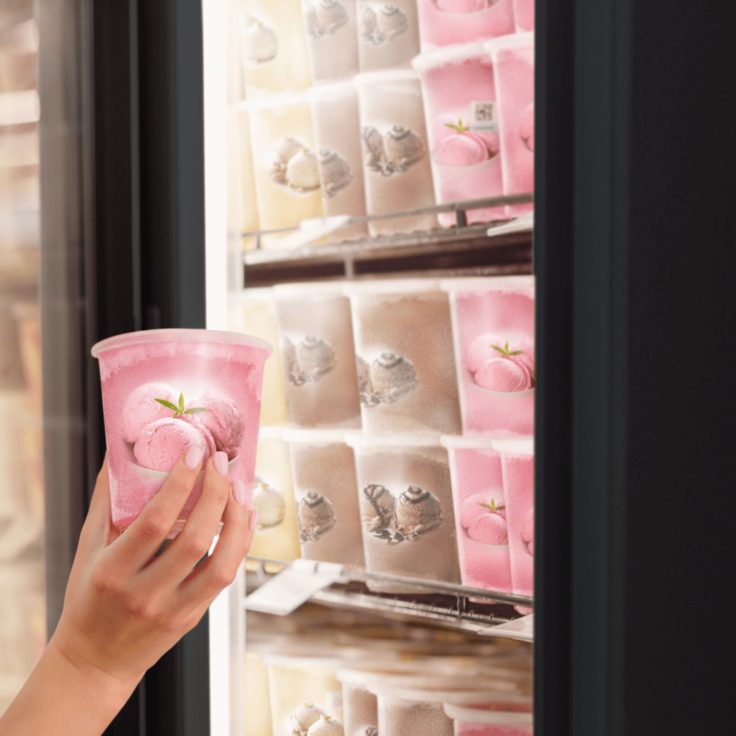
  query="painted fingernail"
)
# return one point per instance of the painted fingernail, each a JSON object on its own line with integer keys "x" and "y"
{"x": 254, "y": 519}
{"x": 239, "y": 491}
{"x": 193, "y": 457}
{"x": 221, "y": 463}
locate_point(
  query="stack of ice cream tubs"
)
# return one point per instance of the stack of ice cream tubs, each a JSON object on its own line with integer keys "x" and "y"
{"x": 359, "y": 108}
{"x": 409, "y": 446}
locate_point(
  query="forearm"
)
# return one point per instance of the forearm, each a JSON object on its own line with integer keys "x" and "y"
{"x": 64, "y": 699}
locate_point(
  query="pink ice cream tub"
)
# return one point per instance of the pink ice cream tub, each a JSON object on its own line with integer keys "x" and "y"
{"x": 517, "y": 463}
{"x": 448, "y": 22}
{"x": 462, "y": 127}
{"x": 480, "y": 513}
{"x": 524, "y": 15}
{"x": 491, "y": 719}
{"x": 165, "y": 390}
{"x": 513, "y": 67}
{"x": 493, "y": 334}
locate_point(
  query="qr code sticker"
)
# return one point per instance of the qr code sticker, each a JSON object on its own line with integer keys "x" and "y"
{"x": 483, "y": 116}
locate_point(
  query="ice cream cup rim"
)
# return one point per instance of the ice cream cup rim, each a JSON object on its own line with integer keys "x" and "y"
{"x": 456, "y": 53}
{"x": 280, "y": 101}
{"x": 521, "y": 446}
{"x": 510, "y": 41}
{"x": 466, "y": 442}
{"x": 469, "y": 714}
{"x": 141, "y": 337}
{"x": 331, "y": 90}
{"x": 393, "y": 441}
{"x": 392, "y": 286}
{"x": 311, "y": 288}
{"x": 488, "y": 283}
{"x": 459, "y": 696}
{"x": 386, "y": 75}
{"x": 319, "y": 436}
{"x": 299, "y": 662}
{"x": 271, "y": 432}
{"x": 262, "y": 294}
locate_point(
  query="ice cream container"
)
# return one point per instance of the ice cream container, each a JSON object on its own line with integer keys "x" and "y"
{"x": 406, "y": 365}
{"x": 396, "y": 161}
{"x": 302, "y": 694}
{"x": 388, "y": 34}
{"x": 517, "y": 462}
{"x": 405, "y": 496}
{"x": 273, "y": 48}
{"x": 513, "y": 68}
{"x": 257, "y": 701}
{"x": 360, "y": 709}
{"x": 277, "y": 533}
{"x": 326, "y": 491}
{"x": 166, "y": 390}
{"x": 249, "y": 218}
{"x": 462, "y": 126}
{"x": 332, "y": 38}
{"x": 491, "y": 719}
{"x": 493, "y": 331}
{"x": 252, "y": 312}
{"x": 337, "y": 128}
{"x": 480, "y": 513}
{"x": 285, "y": 163}
{"x": 318, "y": 356}
{"x": 449, "y": 22}
{"x": 524, "y": 15}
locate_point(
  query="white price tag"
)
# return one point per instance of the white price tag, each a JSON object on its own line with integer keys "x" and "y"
{"x": 293, "y": 587}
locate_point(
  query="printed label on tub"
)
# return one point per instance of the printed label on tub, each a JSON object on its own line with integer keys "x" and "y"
{"x": 483, "y": 116}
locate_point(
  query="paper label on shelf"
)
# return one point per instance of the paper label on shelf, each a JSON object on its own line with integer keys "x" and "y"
{"x": 483, "y": 116}
{"x": 293, "y": 587}
{"x": 520, "y": 628}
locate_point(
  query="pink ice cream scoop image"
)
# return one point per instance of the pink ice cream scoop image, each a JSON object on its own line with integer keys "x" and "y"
{"x": 477, "y": 505}
{"x": 222, "y": 419}
{"x": 527, "y": 531}
{"x": 462, "y": 6}
{"x": 503, "y": 374}
{"x": 141, "y": 408}
{"x": 480, "y": 350}
{"x": 164, "y": 441}
{"x": 489, "y": 529}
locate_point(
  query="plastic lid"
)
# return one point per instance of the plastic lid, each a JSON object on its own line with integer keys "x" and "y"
{"x": 514, "y": 447}
{"x": 450, "y": 55}
{"x": 485, "y": 715}
{"x": 331, "y": 91}
{"x": 319, "y": 436}
{"x": 283, "y": 100}
{"x": 311, "y": 288}
{"x": 393, "y": 441}
{"x": 477, "y": 691}
{"x": 391, "y": 286}
{"x": 284, "y": 660}
{"x": 462, "y": 442}
{"x": 271, "y": 432}
{"x": 512, "y": 41}
{"x": 487, "y": 283}
{"x": 388, "y": 75}
{"x": 179, "y": 335}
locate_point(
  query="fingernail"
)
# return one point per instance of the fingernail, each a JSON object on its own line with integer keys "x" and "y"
{"x": 239, "y": 491}
{"x": 221, "y": 463}
{"x": 254, "y": 519}
{"x": 193, "y": 457}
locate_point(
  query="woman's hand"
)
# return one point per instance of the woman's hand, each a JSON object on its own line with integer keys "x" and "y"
{"x": 124, "y": 607}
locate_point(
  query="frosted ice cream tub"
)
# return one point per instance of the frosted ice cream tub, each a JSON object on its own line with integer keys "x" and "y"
{"x": 166, "y": 390}
{"x": 326, "y": 492}
{"x": 405, "y": 496}
{"x": 449, "y": 22}
{"x": 277, "y": 533}
{"x": 524, "y": 15}
{"x": 493, "y": 331}
{"x": 517, "y": 462}
{"x": 273, "y": 48}
{"x": 462, "y": 126}
{"x": 513, "y": 67}
{"x": 251, "y": 311}
{"x": 248, "y": 219}
{"x": 360, "y": 709}
{"x": 257, "y": 702}
{"x": 318, "y": 356}
{"x": 406, "y": 364}
{"x": 480, "y": 513}
{"x": 396, "y": 162}
{"x": 285, "y": 163}
{"x": 337, "y": 128}
{"x": 388, "y": 34}
{"x": 491, "y": 719}
{"x": 332, "y": 37}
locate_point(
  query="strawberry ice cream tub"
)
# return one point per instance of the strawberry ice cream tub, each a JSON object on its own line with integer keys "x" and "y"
{"x": 524, "y": 15}
{"x": 448, "y": 22}
{"x": 517, "y": 463}
{"x": 166, "y": 390}
{"x": 480, "y": 513}
{"x": 491, "y": 719}
{"x": 513, "y": 67}
{"x": 493, "y": 331}
{"x": 462, "y": 127}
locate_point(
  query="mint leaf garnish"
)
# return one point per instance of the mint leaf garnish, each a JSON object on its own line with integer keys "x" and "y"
{"x": 500, "y": 350}
{"x": 460, "y": 128}
{"x": 181, "y": 396}
{"x": 492, "y": 506}
{"x": 167, "y": 404}
{"x": 505, "y": 350}
{"x": 180, "y": 410}
{"x": 195, "y": 410}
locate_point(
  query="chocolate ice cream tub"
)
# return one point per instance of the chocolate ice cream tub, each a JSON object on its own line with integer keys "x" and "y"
{"x": 406, "y": 507}
{"x": 164, "y": 391}
{"x": 326, "y": 492}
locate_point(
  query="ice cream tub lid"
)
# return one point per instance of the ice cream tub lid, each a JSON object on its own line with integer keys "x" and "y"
{"x": 523, "y": 446}
{"x": 319, "y": 436}
{"x": 388, "y": 75}
{"x": 489, "y": 283}
{"x": 463, "y": 442}
{"x": 391, "y": 286}
{"x": 284, "y": 660}
{"x": 450, "y": 55}
{"x": 481, "y": 691}
{"x": 395, "y": 441}
{"x": 179, "y": 335}
{"x": 512, "y": 41}
{"x": 336, "y": 91}
{"x": 271, "y": 432}
{"x": 327, "y": 289}
{"x": 268, "y": 102}
{"x": 504, "y": 714}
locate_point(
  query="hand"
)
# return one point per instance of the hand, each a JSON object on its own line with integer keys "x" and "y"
{"x": 124, "y": 607}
